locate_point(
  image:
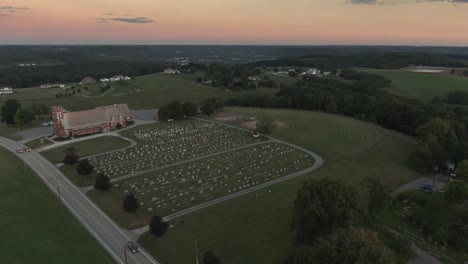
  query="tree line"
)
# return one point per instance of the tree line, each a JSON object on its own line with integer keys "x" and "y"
{"x": 440, "y": 130}
{"x": 21, "y": 77}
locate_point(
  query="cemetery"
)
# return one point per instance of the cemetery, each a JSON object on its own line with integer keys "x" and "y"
{"x": 175, "y": 188}
{"x": 166, "y": 143}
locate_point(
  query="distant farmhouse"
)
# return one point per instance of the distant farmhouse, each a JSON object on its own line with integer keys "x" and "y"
{"x": 6, "y": 90}
{"x": 253, "y": 78}
{"x": 170, "y": 71}
{"x": 87, "y": 81}
{"x": 115, "y": 78}
{"x": 99, "y": 119}
{"x": 54, "y": 85}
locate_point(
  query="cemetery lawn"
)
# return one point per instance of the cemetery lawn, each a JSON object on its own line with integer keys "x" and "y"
{"x": 36, "y": 227}
{"x": 86, "y": 148}
{"x": 38, "y": 142}
{"x": 255, "y": 228}
{"x": 161, "y": 144}
{"x": 422, "y": 86}
{"x": 179, "y": 187}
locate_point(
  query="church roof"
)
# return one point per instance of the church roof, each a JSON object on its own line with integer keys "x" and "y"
{"x": 95, "y": 116}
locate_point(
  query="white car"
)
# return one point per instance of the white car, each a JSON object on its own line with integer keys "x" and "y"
{"x": 45, "y": 124}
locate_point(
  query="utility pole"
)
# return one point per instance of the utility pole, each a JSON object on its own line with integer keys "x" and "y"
{"x": 125, "y": 253}
{"x": 58, "y": 191}
{"x": 196, "y": 251}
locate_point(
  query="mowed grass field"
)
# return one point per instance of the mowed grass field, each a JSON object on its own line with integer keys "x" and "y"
{"x": 255, "y": 228}
{"x": 154, "y": 90}
{"x": 35, "y": 226}
{"x": 86, "y": 148}
{"x": 422, "y": 86}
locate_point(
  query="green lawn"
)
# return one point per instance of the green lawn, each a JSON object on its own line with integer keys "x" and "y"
{"x": 155, "y": 90}
{"x": 176, "y": 188}
{"x": 38, "y": 142}
{"x": 422, "y": 86}
{"x": 35, "y": 226}
{"x": 256, "y": 228}
{"x": 86, "y": 148}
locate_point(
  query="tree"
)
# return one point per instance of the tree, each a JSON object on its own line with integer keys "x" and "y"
{"x": 40, "y": 109}
{"x": 84, "y": 167}
{"x": 190, "y": 109}
{"x": 130, "y": 203}
{"x": 207, "y": 108}
{"x": 462, "y": 170}
{"x": 346, "y": 245}
{"x": 175, "y": 110}
{"x": 218, "y": 105}
{"x": 456, "y": 192}
{"x": 163, "y": 113}
{"x": 102, "y": 182}
{"x": 211, "y": 258}
{"x": 9, "y": 110}
{"x": 24, "y": 116}
{"x": 265, "y": 125}
{"x": 71, "y": 157}
{"x": 379, "y": 197}
{"x": 458, "y": 227}
{"x": 157, "y": 226}
{"x": 322, "y": 206}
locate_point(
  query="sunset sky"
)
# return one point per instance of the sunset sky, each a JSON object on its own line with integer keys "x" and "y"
{"x": 302, "y": 22}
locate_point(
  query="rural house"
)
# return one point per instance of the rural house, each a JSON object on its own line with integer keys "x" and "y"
{"x": 54, "y": 85}
{"x": 6, "y": 90}
{"x": 87, "y": 81}
{"x": 171, "y": 71}
{"x": 99, "y": 119}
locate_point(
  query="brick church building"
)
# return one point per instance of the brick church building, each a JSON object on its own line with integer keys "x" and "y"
{"x": 99, "y": 119}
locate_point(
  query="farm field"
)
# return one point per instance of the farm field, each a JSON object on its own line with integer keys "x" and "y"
{"x": 175, "y": 188}
{"x": 153, "y": 91}
{"x": 86, "y": 148}
{"x": 36, "y": 226}
{"x": 255, "y": 228}
{"x": 422, "y": 86}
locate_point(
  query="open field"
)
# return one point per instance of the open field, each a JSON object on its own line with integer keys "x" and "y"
{"x": 422, "y": 86}
{"x": 36, "y": 227}
{"x": 255, "y": 228}
{"x": 153, "y": 91}
{"x": 173, "y": 189}
{"x": 86, "y": 148}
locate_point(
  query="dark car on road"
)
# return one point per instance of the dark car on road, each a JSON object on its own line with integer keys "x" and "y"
{"x": 133, "y": 247}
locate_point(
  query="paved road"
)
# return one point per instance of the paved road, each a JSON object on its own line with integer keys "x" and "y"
{"x": 104, "y": 230}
